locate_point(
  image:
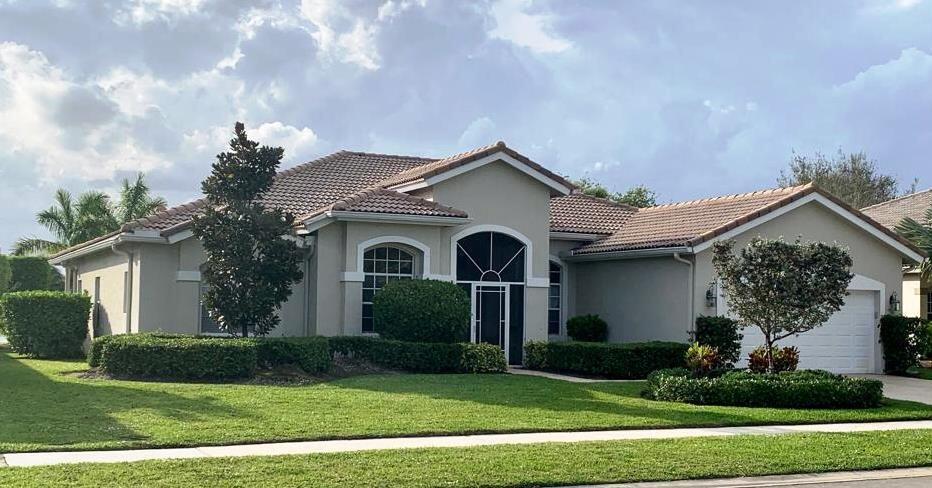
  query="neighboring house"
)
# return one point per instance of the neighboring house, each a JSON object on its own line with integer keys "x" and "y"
{"x": 528, "y": 250}
{"x": 917, "y": 294}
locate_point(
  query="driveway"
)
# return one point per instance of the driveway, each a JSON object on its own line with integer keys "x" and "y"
{"x": 900, "y": 388}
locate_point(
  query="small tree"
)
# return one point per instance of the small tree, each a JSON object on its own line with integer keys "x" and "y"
{"x": 639, "y": 196}
{"x": 853, "y": 177}
{"x": 250, "y": 265}
{"x": 781, "y": 288}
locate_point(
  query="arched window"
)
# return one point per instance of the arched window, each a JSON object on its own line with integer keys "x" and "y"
{"x": 555, "y": 301}
{"x": 382, "y": 264}
{"x": 490, "y": 256}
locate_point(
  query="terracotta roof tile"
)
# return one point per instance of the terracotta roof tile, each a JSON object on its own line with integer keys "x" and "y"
{"x": 578, "y": 212}
{"x": 380, "y": 200}
{"x": 442, "y": 165}
{"x": 684, "y": 223}
{"x": 892, "y": 212}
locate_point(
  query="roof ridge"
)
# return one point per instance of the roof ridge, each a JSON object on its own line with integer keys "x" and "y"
{"x": 609, "y": 201}
{"x": 142, "y": 221}
{"x": 385, "y": 155}
{"x": 789, "y": 190}
{"x": 903, "y": 197}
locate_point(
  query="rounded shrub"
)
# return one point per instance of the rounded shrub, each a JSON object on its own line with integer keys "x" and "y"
{"x": 46, "y": 324}
{"x": 723, "y": 334}
{"x": 587, "y": 328}
{"x": 421, "y": 311}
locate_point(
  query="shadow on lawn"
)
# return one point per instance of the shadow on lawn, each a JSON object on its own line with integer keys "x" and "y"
{"x": 48, "y": 413}
{"x": 615, "y": 403}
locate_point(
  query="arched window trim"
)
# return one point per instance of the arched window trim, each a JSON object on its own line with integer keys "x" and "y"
{"x": 371, "y": 285}
{"x": 364, "y": 246}
{"x": 528, "y": 246}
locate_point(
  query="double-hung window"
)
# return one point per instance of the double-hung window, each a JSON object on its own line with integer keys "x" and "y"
{"x": 555, "y": 300}
{"x": 381, "y": 265}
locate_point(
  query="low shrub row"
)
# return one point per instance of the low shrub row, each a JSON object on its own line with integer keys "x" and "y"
{"x": 799, "y": 389}
{"x": 422, "y": 357}
{"x": 633, "y": 360}
{"x": 45, "y": 324}
{"x": 905, "y": 340}
{"x": 216, "y": 359}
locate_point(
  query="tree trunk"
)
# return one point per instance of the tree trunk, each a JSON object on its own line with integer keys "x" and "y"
{"x": 245, "y": 330}
{"x": 769, "y": 344}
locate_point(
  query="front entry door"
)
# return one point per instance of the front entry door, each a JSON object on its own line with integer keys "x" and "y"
{"x": 490, "y": 312}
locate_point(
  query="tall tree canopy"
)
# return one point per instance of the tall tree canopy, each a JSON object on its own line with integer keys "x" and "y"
{"x": 637, "y": 196}
{"x": 251, "y": 261}
{"x": 73, "y": 221}
{"x": 921, "y": 235}
{"x": 852, "y": 177}
{"x": 782, "y": 288}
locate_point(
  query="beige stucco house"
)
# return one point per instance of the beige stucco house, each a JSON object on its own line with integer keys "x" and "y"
{"x": 527, "y": 248}
{"x": 917, "y": 294}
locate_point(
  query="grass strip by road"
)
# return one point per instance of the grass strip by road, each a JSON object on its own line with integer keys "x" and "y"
{"x": 46, "y": 408}
{"x": 513, "y": 466}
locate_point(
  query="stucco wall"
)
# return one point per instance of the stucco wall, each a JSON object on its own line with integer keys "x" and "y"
{"x": 641, "y": 299}
{"x": 915, "y": 296}
{"x": 559, "y": 249}
{"x": 110, "y": 268}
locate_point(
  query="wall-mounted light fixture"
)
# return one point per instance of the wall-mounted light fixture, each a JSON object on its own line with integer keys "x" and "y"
{"x": 711, "y": 295}
{"x": 894, "y": 303}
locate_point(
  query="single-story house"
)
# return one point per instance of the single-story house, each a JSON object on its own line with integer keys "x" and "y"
{"x": 917, "y": 294}
{"x": 529, "y": 249}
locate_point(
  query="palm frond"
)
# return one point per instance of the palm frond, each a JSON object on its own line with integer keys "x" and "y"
{"x": 135, "y": 201}
{"x": 921, "y": 235}
{"x": 33, "y": 246}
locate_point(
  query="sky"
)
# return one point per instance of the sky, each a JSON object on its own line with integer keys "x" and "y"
{"x": 692, "y": 99}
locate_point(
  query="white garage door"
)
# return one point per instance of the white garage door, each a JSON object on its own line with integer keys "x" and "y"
{"x": 845, "y": 344}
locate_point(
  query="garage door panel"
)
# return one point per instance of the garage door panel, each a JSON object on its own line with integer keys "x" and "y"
{"x": 845, "y": 344}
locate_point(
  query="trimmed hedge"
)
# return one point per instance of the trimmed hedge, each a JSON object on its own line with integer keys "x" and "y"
{"x": 6, "y": 274}
{"x": 422, "y": 357}
{"x": 587, "y": 328}
{"x": 723, "y": 334}
{"x": 45, "y": 324}
{"x": 177, "y": 357}
{"x": 30, "y": 273}
{"x": 904, "y": 340}
{"x": 799, "y": 389}
{"x": 311, "y": 354}
{"x": 634, "y": 360}
{"x": 421, "y": 311}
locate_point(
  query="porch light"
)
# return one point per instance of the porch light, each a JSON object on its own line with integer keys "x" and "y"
{"x": 711, "y": 295}
{"x": 894, "y": 303}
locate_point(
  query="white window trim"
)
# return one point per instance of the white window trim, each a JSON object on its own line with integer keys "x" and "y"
{"x": 528, "y": 251}
{"x": 563, "y": 289}
{"x": 358, "y": 275}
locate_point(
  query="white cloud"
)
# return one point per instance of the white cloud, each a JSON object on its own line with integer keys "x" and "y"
{"x": 298, "y": 143}
{"x": 340, "y": 34}
{"x": 393, "y": 8}
{"x": 531, "y": 30}
{"x": 141, "y": 12}
{"x": 879, "y": 7}
{"x": 479, "y": 132}
{"x": 69, "y": 128}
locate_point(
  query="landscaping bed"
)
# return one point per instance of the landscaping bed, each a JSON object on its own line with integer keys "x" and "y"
{"x": 585, "y": 463}
{"x": 797, "y": 389}
{"x": 633, "y": 360}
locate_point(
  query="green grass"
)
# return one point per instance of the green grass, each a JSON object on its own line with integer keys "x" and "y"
{"x": 43, "y": 409}
{"x": 510, "y": 466}
{"x": 925, "y": 373}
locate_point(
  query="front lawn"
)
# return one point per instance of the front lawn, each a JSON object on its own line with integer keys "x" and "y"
{"x": 925, "y": 373}
{"x": 513, "y": 466}
{"x": 42, "y": 408}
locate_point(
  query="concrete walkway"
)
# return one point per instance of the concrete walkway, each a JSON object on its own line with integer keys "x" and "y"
{"x": 900, "y": 478}
{"x": 561, "y": 377}
{"x": 310, "y": 447}
{"x": 900, "y": 388}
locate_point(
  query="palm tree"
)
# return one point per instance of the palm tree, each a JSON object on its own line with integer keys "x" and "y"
{"x": 135, "y": 202}
{"x": 92, "y": 215}
{"x": 921, "y": 235}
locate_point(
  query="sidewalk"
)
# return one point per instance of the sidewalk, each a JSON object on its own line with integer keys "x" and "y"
{"x": 311, "y": 447}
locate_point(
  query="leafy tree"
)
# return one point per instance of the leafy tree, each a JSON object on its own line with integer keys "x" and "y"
{"x": 91, "y": 215}
{"x": 251, "y": 265}
{"x": 781, "y": 288}
{"x": 639, "y": 196}
{"x": 852, "y": 177}
{"x": 921, "y": 235}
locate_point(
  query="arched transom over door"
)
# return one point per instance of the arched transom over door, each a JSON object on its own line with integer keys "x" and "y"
{"x": 490, "y": 266}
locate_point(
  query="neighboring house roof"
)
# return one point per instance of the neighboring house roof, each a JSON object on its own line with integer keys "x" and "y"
{"x": 584, "y": 214}
{"x": 689, "y": 224}
{"x": 892, "y": 212}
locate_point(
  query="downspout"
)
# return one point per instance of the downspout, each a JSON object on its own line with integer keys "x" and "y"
{"x": 691, "y": 308}
{"x": 311, "y": 243}
{"x": 128, "y": 286}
